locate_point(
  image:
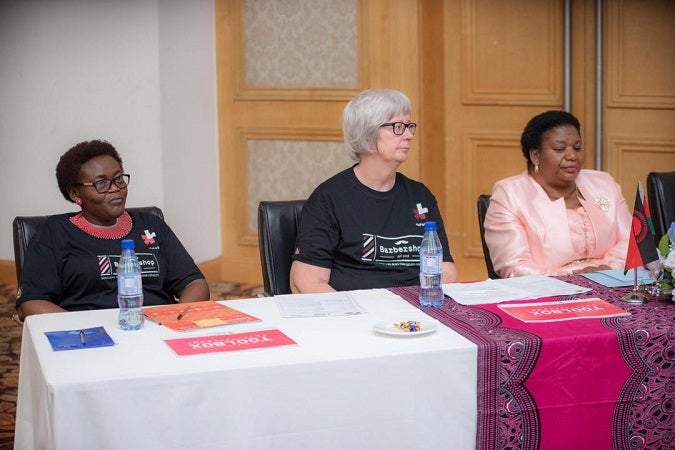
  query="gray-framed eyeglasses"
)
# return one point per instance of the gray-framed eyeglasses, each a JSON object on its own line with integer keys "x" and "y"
{"x": 104, "y": 185}
{"x": 400, "y": 127}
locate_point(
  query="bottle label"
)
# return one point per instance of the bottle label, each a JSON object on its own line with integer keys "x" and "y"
{"x": 129, "y": 285}
{"x": 431, "y": 263}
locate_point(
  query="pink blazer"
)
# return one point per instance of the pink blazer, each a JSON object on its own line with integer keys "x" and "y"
{"x": 528, "y": 233}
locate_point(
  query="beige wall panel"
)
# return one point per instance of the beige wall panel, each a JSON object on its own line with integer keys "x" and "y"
{"x": 276, "y": 164}
{"x": 289, "y": 170}
{"x": 300, "y": 43}
{"x": 641, "y": 54}
{"x": 632, "y": 158}
{"x": 483, "y": 150}
{"x": 281, "y": 53}
{"x": 512, "y": 52}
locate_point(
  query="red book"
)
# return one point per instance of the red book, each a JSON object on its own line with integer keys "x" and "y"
{"x": 229, "y": 342}
{"x": 590, "y": 308}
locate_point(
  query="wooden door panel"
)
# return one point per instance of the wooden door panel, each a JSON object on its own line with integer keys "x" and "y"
{"x": 289, "y": 101}
{"x": 640, "y": 88}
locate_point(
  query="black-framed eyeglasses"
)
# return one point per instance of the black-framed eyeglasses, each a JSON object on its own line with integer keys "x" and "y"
{"x": 104, "y": 185}
{"x": 400, "y": 127}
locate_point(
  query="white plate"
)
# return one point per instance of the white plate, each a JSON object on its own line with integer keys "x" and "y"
{"x": 388, "y": 327}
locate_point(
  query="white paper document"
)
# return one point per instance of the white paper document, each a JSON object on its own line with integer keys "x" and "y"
{"x": 318, "y": 305}
{"x": 505, "y": 289}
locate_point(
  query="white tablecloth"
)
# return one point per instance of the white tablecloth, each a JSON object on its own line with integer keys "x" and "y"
{"x": 342, "y": 386}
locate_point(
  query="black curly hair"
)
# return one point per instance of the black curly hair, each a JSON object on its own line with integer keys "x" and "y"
{"x": 68, "y": 168}
{"x": 540, "y": 124}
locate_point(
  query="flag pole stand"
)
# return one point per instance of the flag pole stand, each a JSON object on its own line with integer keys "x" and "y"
{"x": 634, "y": 296}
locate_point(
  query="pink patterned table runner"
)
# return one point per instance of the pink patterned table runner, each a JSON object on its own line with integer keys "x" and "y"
{"x": 582, "y": 384}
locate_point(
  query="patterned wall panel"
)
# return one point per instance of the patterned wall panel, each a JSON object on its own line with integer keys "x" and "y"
{"x": 289, "y": 170}
{"x": 641, "y": 72}
{"x": 511, "y": 55}
{"x": 300, "y": 43}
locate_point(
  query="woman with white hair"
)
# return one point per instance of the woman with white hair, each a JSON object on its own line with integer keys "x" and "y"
{"x": 363, "y": 227}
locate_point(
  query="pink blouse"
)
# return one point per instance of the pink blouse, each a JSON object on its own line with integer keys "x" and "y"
{"x": 582, "y": 235}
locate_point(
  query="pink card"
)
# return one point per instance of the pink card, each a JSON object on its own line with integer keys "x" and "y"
{"x": 562, "y": 310}
{"x": 229, "y": 342}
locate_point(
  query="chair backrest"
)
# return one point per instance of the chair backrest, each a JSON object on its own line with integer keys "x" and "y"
{"x": 277, "y": 228}
{"x": 483, "y": 203}
{"x": 661, "y": 197}
{"x": 24, "y": 227}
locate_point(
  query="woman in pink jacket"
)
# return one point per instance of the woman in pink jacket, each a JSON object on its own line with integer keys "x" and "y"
{"x": 556, "y": 218}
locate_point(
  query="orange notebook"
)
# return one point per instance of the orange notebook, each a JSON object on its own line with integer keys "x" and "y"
{"x": 196, "y": 315}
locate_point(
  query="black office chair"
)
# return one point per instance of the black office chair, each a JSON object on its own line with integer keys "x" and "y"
{"x": 483, "y": 203}
{"x": 277, "y": 228}
{"x": 24, "y": 227}
{"x": 661, "y": 197}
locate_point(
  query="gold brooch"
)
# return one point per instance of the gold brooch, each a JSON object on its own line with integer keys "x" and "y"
{"x": 602, "y": 203}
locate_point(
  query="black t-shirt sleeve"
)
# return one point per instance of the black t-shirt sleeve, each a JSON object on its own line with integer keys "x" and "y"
{"x": 40, "y": 277}
{"x": 318, "y": 232}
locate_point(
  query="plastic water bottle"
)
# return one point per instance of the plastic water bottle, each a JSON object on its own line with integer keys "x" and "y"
{"x": 431, "y": 272}
{"x": 130, "y": 289}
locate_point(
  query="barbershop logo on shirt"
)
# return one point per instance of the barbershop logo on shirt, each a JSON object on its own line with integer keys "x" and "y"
{"x": 107, "y": 265}
{"x": 420, "y": 212}
{"x": 392, "y": 251}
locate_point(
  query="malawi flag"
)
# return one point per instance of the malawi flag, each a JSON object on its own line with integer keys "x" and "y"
{"x": 641, "y": 248}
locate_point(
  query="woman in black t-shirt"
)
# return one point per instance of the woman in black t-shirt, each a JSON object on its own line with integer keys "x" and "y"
{"x": 70, "y": 263}
{"x": 362, "y": 228}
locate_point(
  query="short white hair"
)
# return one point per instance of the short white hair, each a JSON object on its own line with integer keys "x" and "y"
{"x": 364, "y": 115}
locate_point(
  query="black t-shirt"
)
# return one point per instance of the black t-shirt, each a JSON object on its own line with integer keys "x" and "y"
{"x": 368, "y": 239}
{"x": 77, "y": 271}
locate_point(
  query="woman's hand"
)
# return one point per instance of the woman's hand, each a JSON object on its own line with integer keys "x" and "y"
{"x": 196, "y": 291}
{"x": 590, "y": 269}
{"x": 30, "y": 307}
{"x": 306, "y": 278}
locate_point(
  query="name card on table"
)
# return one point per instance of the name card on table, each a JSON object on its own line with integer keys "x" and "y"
{"x": 591, "y": 308}
{"x": 228, "y": 342}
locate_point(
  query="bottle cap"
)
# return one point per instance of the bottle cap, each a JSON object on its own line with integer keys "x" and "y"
{"x": 128, "y": 244}
{"x": 430, "y": 226}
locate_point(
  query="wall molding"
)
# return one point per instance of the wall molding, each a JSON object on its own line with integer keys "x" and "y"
{"x": 505, "y": 91}
{"x": 618, "y": 147}
{"x": 625, "y": 94}
{"x": 477, "y": 144}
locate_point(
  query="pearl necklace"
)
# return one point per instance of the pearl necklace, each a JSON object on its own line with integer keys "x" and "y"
{"x": 121, "y": 228}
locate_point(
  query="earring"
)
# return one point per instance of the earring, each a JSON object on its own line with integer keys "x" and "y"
{"x": 78, "y": 202}
{"x": 536, "y": 168}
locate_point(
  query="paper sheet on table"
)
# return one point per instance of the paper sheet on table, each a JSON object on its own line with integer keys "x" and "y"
{"x": 505, "y": 289}
{"x": 318, "y": 305}
{"x": 616, "y": 278}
